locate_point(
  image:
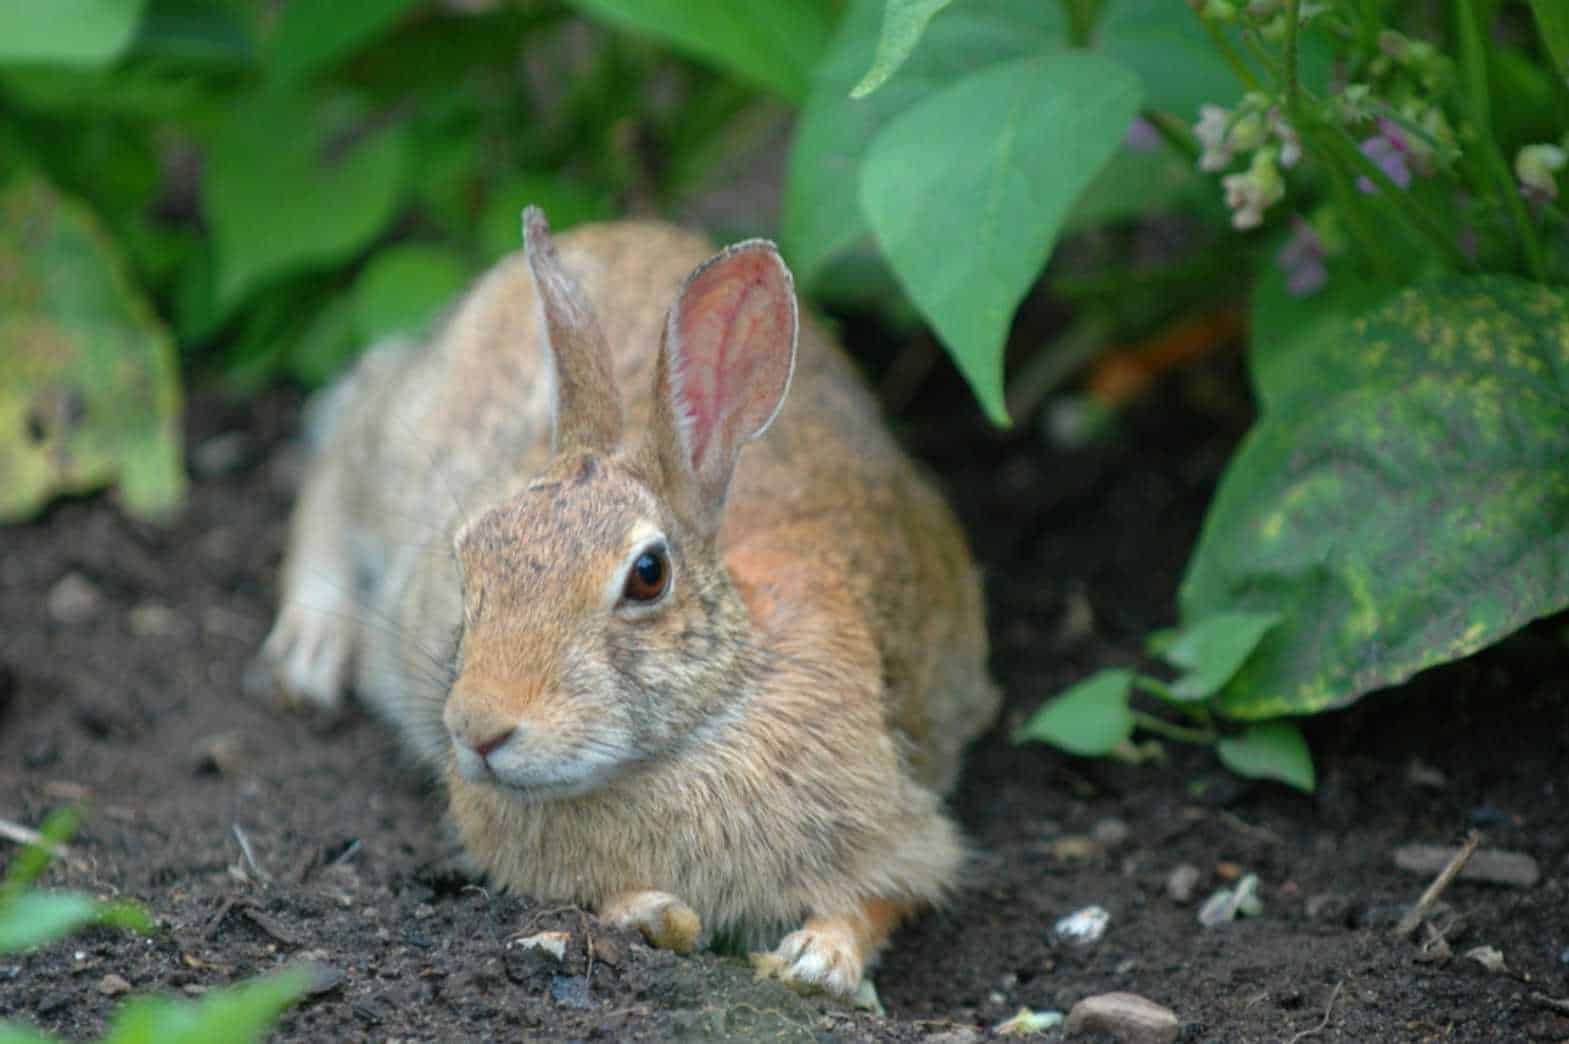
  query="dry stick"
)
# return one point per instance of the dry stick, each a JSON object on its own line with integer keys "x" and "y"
{"x": 1550, "y": 1003}
{"x": 250, "y": 856}
{"x": 1446, "y": 876}
{"x": 1329, "y": 1009}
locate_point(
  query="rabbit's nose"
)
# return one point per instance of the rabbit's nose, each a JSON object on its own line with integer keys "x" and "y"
{"x": 488, "y": 747}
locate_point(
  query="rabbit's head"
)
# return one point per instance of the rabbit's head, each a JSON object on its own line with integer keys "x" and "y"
{"x": 601, "y": 629}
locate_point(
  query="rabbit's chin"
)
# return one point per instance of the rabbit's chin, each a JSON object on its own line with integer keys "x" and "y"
{"x": 568, "y": 778}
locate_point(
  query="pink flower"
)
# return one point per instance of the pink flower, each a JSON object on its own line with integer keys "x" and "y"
{"x": 1388, "y": 149}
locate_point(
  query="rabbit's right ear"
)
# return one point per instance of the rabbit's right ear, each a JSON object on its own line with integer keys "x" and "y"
{"x": 587, "y": 404}
{"x": 722, "y": 374}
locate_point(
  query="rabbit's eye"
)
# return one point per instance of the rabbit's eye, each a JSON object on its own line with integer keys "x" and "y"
{"x": 648, "y": 577}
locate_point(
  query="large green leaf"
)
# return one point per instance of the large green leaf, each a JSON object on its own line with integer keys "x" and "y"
{"x": 1270, "y": 750}
{"x": 822, "y": 214}
{"x": 90, "y": 394}
{"x": 403, "y": 288}
{"x": 311, "y": 36}
{"x": 67, "y": 32}
{"x": 284, "y": 190}
{"x": 966, "y": 191}
{"x": 771, "y": 43}
{"x": 1406, "y": 506}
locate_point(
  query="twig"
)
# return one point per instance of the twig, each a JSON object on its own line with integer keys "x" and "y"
{"x": 1329, "y": 1009}
{"x": 250, "y": 856}
{"x": 1558, "y": 1004}
{"x": 1446, "y": 876}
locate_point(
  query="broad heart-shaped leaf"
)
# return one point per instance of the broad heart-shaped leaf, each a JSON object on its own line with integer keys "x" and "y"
{"x": 239, "y": 1013}
{"x": 286, "y": 188}
{"x": 1409, "y": 506}
{"x": 311, "y": 36}
{"x": 771, "y": 43}
{"x": 1270, "y": 750}
{"x": 822, "y": 213}
{"x": 1090, "y": 719}
{"x": 966, "y": 191}
{"x": 90, "y": 395}
{"x": 67, "y": 32}
{"x": 903, "y": 23}
{"x": 1212, "y": 650}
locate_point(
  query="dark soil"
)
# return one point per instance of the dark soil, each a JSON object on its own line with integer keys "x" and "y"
{"x": 122, "y": 689}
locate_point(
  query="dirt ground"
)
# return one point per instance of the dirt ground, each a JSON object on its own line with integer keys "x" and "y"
{"x": 122, "y": 648}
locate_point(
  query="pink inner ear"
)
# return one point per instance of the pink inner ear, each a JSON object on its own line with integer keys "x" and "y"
{"x": 734, "y": 335}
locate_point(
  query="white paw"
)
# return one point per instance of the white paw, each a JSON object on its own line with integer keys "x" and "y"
{"x": 308, "y": 654}
{"x": 664, "y": 920}
{"x": 815, "y": 959}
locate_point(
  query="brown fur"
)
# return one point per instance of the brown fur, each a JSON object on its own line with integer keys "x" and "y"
{"x": 767, "y": 745}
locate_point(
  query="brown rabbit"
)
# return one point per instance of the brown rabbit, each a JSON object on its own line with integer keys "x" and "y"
{"x": 697, "y": 689}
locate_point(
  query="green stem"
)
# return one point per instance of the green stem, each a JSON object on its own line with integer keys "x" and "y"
{"x": 1179, "y": 733}
{"x": 1293, "y": 18}
{"x": 1398, "y": 199}
{"x": 1473, "y": 64}
{"x": 1354, "y": 209}
{"x": 1229, "y": 53}
{"x": 1176, "y": 132}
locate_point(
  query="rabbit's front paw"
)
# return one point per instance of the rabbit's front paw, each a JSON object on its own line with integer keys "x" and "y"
{"x": 824, "y": 955}
{"x": 664, "y": 920}
{"x": 306, "y": 657}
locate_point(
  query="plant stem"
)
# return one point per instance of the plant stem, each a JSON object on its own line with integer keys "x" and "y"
{"x": 1354, "y": 210}
{"x": 1398, "y": 199}
{"x": 1229, "y": 53}
{"x": 1176, "y": 132}
{"x": 1293, "y": 18}
{"x": 1473, "y": 64}
{"x": 1178, "y": 733}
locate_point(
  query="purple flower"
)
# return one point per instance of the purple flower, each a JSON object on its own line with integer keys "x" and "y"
{"x": 1388, "y": 149}
{"x": 1302, "y": 259}
{"x": 1142, "y": 136}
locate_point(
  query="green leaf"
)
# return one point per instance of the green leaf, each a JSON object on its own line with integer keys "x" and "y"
{"x": 1137, "y": 182}
{"x": 1214, "y": 649}
{"x": 1166, "y": 45}
{"x": 1090, "y": 719}
{"x": 770, "y": 43}
{"x": 91, "y": 395}
{"x": 283, "y": 193}
{"x": 1409, "y": 504}
{"x": 822, "y": 215}
{"x": 967, "y": 189}
{"x": 35, "y": 918}
{"x": 1270, "y": 750}
{"x": 30, "y": 863}
{"x": 903, "y": 23}
{"x": 1552, "y": 20}
{"x": 235, "y": 1014}
{"x": 312, "y": 36}
{"x": 67, "y": 32}
{"x": 404, "y": 288}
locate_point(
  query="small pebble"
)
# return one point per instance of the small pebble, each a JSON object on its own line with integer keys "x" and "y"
{"x": 221, "y": 454}
{"x": 152, "y": 620}
{"x": 1182, "y": 882}
{"x": 1083, "y": 927}
{"x": 1126, "y": 1016}
{"x": 73, "y": 599}
{"x": 113, "y": 985}
{"x": 1110, "y": 832}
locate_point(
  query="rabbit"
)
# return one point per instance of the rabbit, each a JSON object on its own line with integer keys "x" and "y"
{"x": 697, "y": 689}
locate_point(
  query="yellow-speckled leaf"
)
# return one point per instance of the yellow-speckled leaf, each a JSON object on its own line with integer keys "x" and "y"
{"x": 1406, "y": 506}
{"x": 90, "y": 395}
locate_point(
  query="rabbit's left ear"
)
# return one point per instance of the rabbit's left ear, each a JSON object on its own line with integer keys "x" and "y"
{"x": 724, "y": 368}
{"x": 586, "y": 404}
